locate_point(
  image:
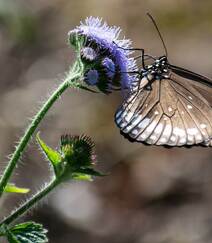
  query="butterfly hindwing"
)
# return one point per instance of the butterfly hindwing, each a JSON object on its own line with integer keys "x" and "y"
{"x": 140, "y": 114}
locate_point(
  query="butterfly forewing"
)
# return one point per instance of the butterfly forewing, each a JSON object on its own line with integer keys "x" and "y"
{"x": 202, "y": 91}
{"x": 189, "y": 75}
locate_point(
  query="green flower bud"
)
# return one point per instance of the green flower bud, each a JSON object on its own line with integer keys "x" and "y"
{"x": 77, "y": 150}
{"x": 75, "y": 158}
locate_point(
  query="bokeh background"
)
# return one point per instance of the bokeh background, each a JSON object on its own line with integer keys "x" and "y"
{"x": 152, "y": 194}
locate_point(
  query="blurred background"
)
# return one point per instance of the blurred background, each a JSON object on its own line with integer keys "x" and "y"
{"x": 152, "y": 194}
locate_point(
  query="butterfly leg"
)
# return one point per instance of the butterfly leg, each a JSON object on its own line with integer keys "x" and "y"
{"x": 148, "y": 86}
{"x": 134, "y": 49}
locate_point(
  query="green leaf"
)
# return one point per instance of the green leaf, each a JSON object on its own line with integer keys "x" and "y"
{"x": 52, "y": 155}
{"x": 12, "y": 238}
{"x": 2, "y": 230}
{"x": 28, "y": 232}
{"x": 90, "y": 171}
{"x": 85, "y": 174}
{"x": 81, "y": 177}
{"x": 13, "y": 188}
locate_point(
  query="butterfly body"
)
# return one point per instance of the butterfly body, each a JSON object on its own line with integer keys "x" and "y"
{"x": 167, "y": 105}
{"x": 153, "y": 72}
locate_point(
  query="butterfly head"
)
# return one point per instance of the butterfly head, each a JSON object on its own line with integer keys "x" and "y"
{"x": 158, "y": 68}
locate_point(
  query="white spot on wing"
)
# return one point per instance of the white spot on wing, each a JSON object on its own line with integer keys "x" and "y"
{"x": 144, "y": 123}
{"x": 151, "y": 126}
{"x": 190, "y": 138}
{"x": 192, "y": 131}
{"x": 142, "y": 137}
{"x": 118, "y": 120}
{"x": 182, "y": 140}
{"x": 159, "y": 128}
{"x": 163, "y": 140}
{"x": 128, "y": 128}
{"x": 173, "y": 138}
{"x": 146, "y": 133}
{"x": 123, "y": 124}
{"x": 124, "y": 114}
{"x": 204, "y": 133}
{"x": 118, "y": 113}
{"x": 167, "y": 130}
{"x": 169, "y": 109}
{"x": 153, "y": 137}
{"x": 179, "y": 132}
{"x": 189, "y": 107}
{"x": 202, "y": 125}
{"x": 198, "y": 137}
{"x": 132, "y": 124}
{"x": 136, "y": 120}
{"x": 166, "y": 133}
{"x": 134, "y": 131}
{"x": 129, "y": 116}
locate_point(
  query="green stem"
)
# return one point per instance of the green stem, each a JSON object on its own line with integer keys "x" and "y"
{"x": 30, "y": 203}
{"x": 70, "y": 81}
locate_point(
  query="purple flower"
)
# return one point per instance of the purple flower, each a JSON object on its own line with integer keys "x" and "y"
{"x": 109, "y": 67}
{"x": 107, "y": 54}
{"x": 91, "y": 77}
{"x": 88, "y": 54}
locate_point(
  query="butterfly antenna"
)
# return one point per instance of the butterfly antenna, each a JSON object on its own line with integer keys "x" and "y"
{"x": 156, "y": 27}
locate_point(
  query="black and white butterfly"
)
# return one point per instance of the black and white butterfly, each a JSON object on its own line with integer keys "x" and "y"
{"x": 167, "y": 105}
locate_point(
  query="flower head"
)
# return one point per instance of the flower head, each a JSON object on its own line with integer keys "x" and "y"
{"x": 109, "y": 67}
{"x": 88, "y": 54}
{"x": 91, "y": 77}
{"x": 103, "y": 51}
{"x": 75, "y": 158}
{"x": 77, "y": 150}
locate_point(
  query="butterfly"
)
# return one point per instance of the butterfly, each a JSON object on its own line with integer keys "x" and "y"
{"x": 167, "y": 105}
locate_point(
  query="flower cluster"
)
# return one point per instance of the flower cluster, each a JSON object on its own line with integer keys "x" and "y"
{"x": 107, "y": 59}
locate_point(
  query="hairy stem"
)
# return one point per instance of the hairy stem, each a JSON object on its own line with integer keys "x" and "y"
{"x": 30, "y": 203}
{"x": 70, "y": 81}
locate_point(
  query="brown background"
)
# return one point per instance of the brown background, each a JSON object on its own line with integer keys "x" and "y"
{"x": 153, "y": 194}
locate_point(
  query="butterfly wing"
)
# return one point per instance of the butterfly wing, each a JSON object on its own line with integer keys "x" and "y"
{"x": 195, "y": 104}
{"x": 189, "y": 75}
{"x": 173, "y": 113}
{"x": 202, "y": 84}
